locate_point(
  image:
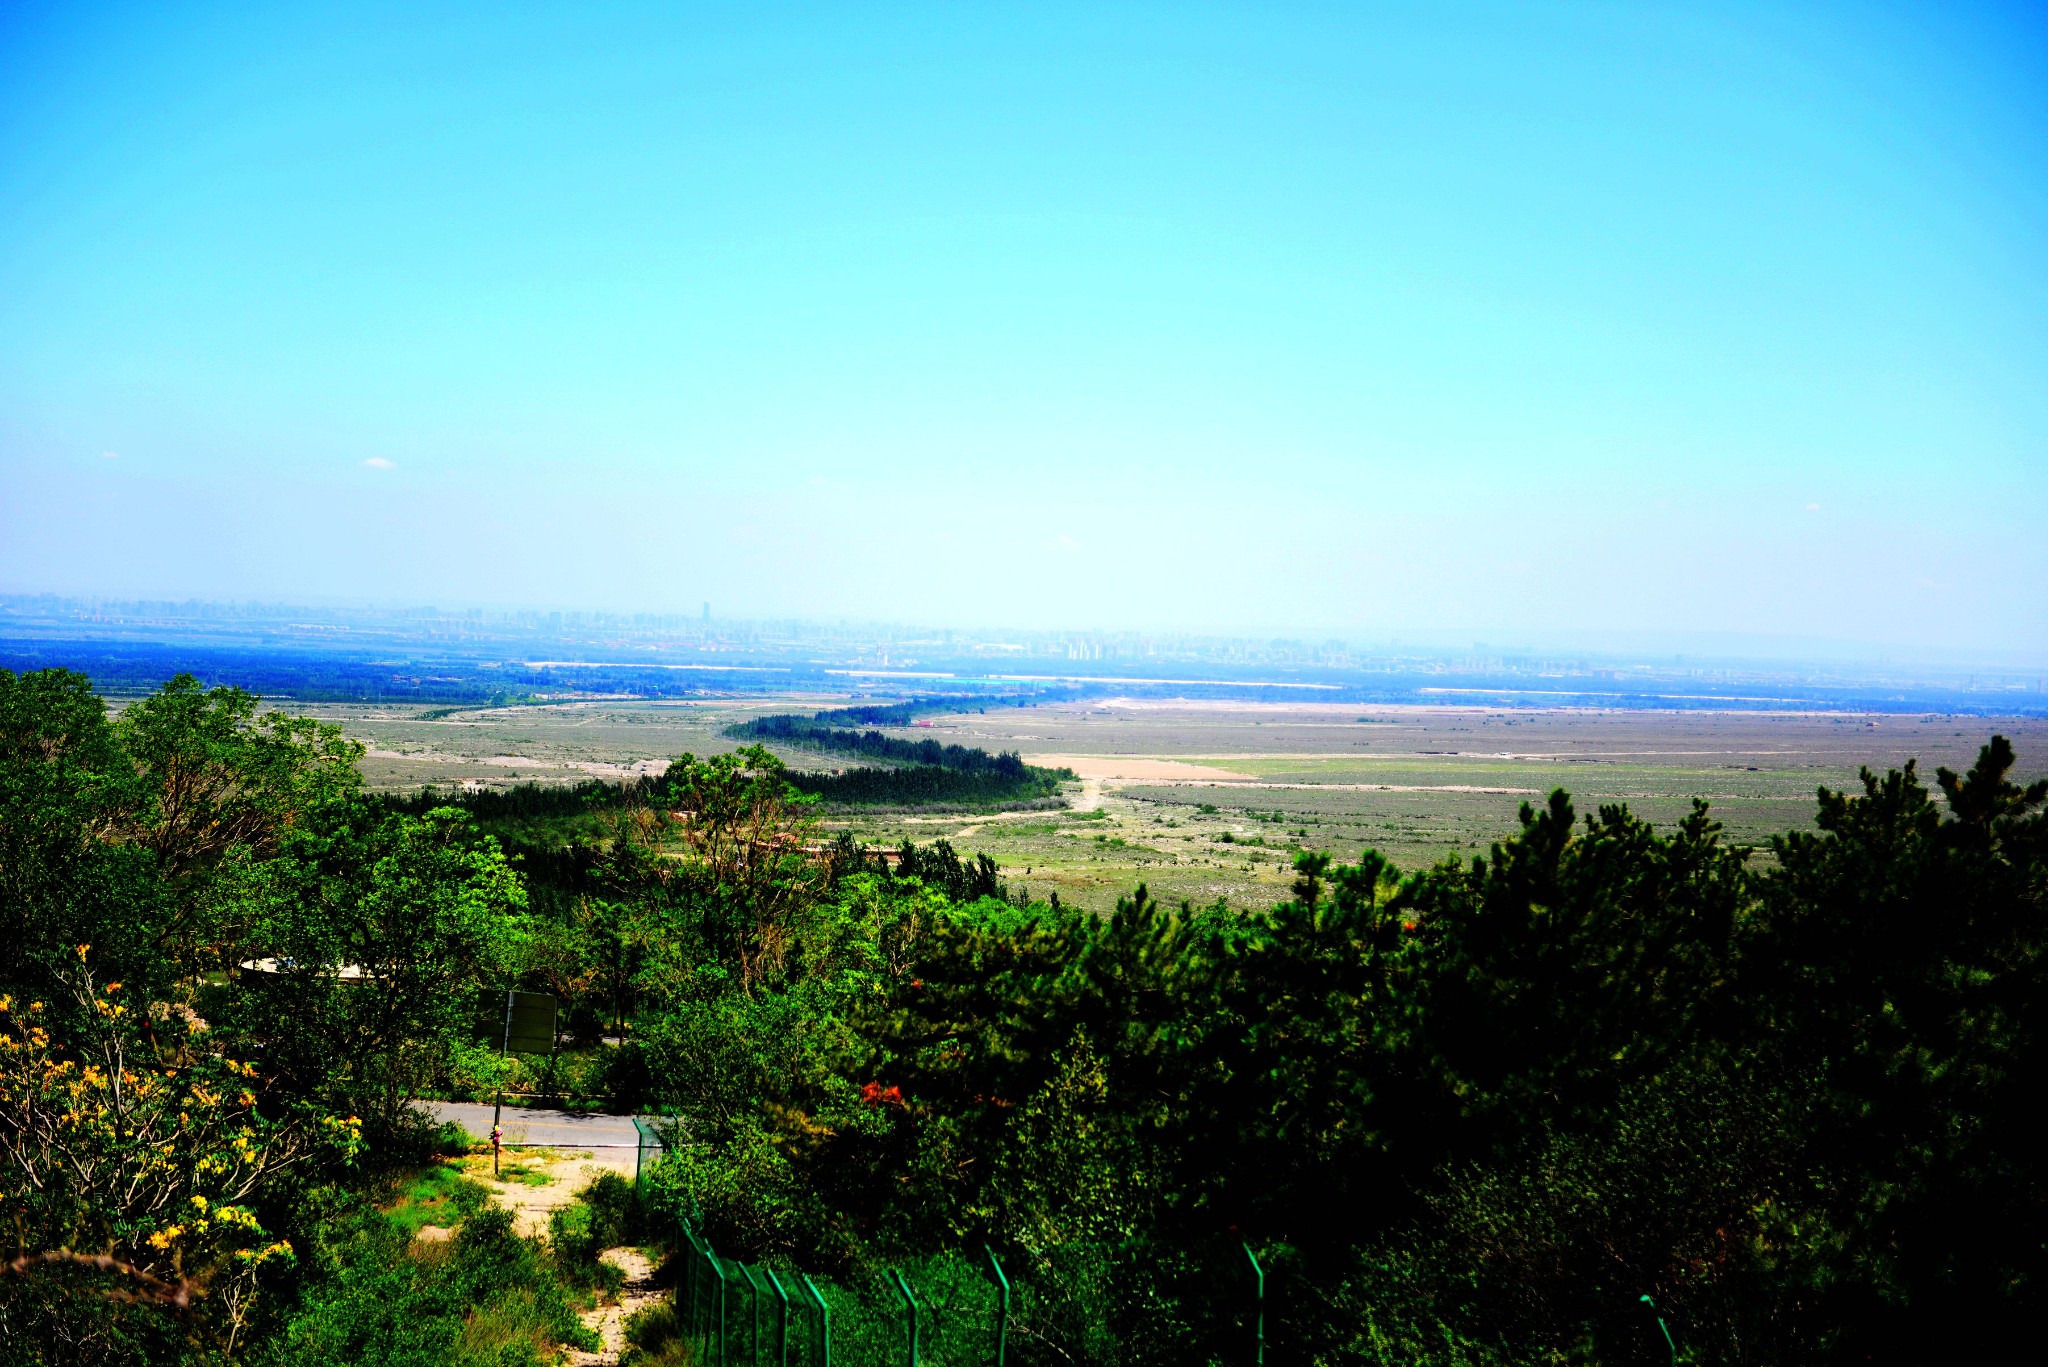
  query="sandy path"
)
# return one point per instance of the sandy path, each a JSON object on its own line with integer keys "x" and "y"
{"x": 577, "y": 1152}
{"x": 579, "y": 1147}
{"x": 608, "y": 1322}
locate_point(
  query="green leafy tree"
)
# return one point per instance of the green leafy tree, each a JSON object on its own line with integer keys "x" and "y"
{"x": 67, "y": 877}
{"x": 221, "y": 789}
{"x": 1900, "y": 968}
{"x": 746, "y": 831}
{"x": 141, "y": 836}
{"x": 384, "y": 933}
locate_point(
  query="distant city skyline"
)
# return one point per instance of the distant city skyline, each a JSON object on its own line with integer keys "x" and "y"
{"x": 1548, "y": 323}
{"x": 476, "y": 627}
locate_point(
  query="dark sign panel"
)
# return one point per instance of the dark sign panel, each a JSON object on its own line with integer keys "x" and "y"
{"x": 529, "y": 1023}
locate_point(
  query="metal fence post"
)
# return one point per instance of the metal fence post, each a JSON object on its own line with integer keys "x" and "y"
{"x": 693, "y": 1279}
{"x": 1259, "y": 1324}
{"x": 754, "y": 1300}
{"x": 683, "y": 1273}
{"x": 824, "y": 1321}
{"x": 1003, "y": 1306}
{"x": 693, "y": 1285}
{"x": 645, "y": 1137}
{"x": 724, "y": 1343}
{"x": 1665, "y": 1329}
{"x": 911, "y": 1301}
{"x": 782, "y": 1319}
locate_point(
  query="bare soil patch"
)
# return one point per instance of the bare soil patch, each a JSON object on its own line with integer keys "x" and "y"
{"x": 1138, "y": 767}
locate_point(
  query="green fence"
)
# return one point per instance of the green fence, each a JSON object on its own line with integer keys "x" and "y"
{"x": 649, "y": 1146}
{"x": 745, "y": 1315}
{"x": 952, "y": 1310}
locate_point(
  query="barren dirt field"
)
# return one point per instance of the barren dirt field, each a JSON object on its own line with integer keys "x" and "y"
{"x": 1209, "y": 800}
{"x": 412, "y": 747}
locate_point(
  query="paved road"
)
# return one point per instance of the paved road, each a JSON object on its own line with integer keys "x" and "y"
{"x": 561, "y": 1129}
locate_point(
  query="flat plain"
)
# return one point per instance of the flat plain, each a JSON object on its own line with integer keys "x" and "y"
{"x": 1203, "y": 800}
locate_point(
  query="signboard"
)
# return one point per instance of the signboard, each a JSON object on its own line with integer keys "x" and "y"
{"x": 529, "y": 1026}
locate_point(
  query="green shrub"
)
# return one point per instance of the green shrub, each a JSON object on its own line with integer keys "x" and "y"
{"x": 487, "y": 1298}
{"x": 655, "y": 1338}
{"x": 605, "y": 1215}
{"x": 477, "y": 1071}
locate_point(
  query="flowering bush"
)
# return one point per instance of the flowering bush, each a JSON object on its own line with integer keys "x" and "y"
{"x": 133, "y": 1156}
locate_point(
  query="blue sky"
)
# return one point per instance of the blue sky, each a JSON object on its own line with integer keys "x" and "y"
{"x": 1559, "y": 320}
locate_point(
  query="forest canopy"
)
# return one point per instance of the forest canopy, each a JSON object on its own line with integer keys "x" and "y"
{"x": 914, "y": 772}
{"x": 1469, "y": 1113}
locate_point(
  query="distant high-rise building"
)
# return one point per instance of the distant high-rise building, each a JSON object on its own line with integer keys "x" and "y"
{"x": 707, "y": 612}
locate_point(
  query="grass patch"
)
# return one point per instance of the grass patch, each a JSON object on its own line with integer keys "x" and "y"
{"x": 524, "y": 1174}
{"x": 655, "y": 1338}
{"x": 486, "y": 1298}
{"x": 441, "y": 1195}
{"x": 520, "y": 1325}
{"x": 606, "y": 1214}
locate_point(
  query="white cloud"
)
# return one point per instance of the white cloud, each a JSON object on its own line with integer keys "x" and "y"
{"x": 110, "y": 455}
{"x": 1813, "y": 507}
{"x": 379, "y": 463}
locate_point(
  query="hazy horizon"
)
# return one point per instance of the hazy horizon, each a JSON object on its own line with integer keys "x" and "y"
{"x": 1516, "y": 323}
{"x": 141, "y": 619}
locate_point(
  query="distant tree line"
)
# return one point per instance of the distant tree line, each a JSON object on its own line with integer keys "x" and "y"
{"x": 928, "y": 785}
{"x": 926, "y": 773}
{"x": 880, "y": 714}
{"x": 811, "y": 733}
{"x": 920, "y": 785}
{"x": 904, "y": 713}
{"x": 931, "y": 773}
{"x": 529, "y": 801}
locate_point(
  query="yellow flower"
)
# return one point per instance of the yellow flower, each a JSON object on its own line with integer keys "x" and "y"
{"x": 280, "y": 1249}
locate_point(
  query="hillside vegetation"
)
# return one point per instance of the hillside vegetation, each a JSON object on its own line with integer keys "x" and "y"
{"x": 1470, "y": 1113}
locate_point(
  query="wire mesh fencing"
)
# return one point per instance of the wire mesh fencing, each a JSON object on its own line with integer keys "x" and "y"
{"x": 745, "y": 1315}
{"x": 956, "y": 1310}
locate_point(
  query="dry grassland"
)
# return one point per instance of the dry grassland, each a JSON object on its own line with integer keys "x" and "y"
{"x": 1164, "y": 783}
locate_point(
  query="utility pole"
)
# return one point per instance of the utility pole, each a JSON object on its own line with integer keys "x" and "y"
{"x": 498, "y": 1104}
